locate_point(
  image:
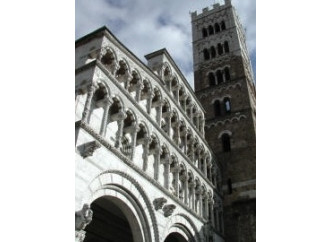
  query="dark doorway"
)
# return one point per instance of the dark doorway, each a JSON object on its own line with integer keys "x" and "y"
{"x": 109, "y": 223}
{"x": 175, "y": 237}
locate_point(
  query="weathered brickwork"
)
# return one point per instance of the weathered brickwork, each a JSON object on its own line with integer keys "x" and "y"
{"x": 229, "y": 102}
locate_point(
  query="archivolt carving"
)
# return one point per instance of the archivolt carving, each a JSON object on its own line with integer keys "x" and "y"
{"x": 184, "y": 220}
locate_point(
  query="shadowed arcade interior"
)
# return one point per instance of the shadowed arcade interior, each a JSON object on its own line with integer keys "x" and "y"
{"x": 175, "y": 237}
{"x": 109, "y": 223}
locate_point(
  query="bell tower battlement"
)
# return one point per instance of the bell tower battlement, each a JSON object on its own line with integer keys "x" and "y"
{"x": 218, "y": 34}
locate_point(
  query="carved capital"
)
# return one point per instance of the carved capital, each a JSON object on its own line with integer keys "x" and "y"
{"x": 184, "y": 96}
{"x": 192, "y": 184}
{"x": 80, "y": 236}
{"x": 183, "y": 177}
{"x": 159, "y": 203}
{"x": 118, "y": 116}
{"x": 168, "y": 209}
{"x": 83, "y": 217}
{"x": 88, "y": 149}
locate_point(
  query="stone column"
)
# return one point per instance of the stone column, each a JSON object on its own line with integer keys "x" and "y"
{"x": 176, "y": 94}
{"x": 119, "y": 134}
{"x": 193, "y": 153}
{"x": 136, "y": 129}
{"x": 184, "y": 98}
{"x": 200, "y": 201}
{"x": 193, "y": 194}
{"x": 90, "y": 93}
{"x": 127, "y": 78}
{"x": 197, "y": 120}
{"x": 202, "y": 127}
{"x": 170, "y": 86}
{"x": 199, "y": 157}
{"x": 190, "y": 108}
{"x": 210, "y": 171}
{"x": 107, "y": 105}
{"x": 197, "y": 201}
{"x": 149, "y": 102}
{"x": 145, "y": 153}
{"x": 167, "y": 173}
{"x": 206, "y": 207}
{"x": 205, "y": 166}
{"x": 175, "y": 171}
{"x": 157, "y": 162}
{"x": 159, "y": 113}
{"x": 168, "y": 117}
{"x": 164, "y": 160}
{"x": 139, "y": 88}
{"x": 176, "y": 133}
{"x": 185, "y": 134}
{"x": 185, "y": 184}
{"x": 212, "y": 212}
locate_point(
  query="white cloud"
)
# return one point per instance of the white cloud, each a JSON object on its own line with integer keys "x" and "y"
{"x": 145, "y": 26}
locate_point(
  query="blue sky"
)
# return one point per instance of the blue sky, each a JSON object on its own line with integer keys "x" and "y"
{"x": 145, "y": 26}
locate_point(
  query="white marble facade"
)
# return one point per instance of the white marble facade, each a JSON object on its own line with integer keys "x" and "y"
{"x": 140, "y": 140}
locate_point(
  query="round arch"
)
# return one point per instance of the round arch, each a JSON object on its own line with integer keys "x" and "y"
{"x": 119, "y": 209}
{"x": 184, "y": 226}
{"x": 122, "y": 187}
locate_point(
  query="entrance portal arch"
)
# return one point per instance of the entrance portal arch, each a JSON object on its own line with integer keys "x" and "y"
{"x": 113, "y": 220}
{"x": 125, "y": 194}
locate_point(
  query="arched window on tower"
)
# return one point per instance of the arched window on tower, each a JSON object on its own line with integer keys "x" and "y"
{"x": 211, "y": 79}
{"x": 225, "y": 139}
{"x": 227, "y": 105}
{"x": 220, "y": 49}
{"x": 204, "y": 31}
{"x": 211, "y": 31}
{"x": 226, "y": 47}
{"x": 219, "y": 76}
{"x": 213, "y": 53}
{"x": 227, "y": 74}
{"x": 217, "y": 28}
{"x": 223, "y": 25}
{"x": 206, "y": 54}
{"x": 230, "y": 188}
{"x": 217, "y": 108}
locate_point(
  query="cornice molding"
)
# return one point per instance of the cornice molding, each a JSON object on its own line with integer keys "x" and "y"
{"x": 223, "y": 122}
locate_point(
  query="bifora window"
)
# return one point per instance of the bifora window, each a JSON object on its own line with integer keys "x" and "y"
{"x": 217, "y": 108}
{"x": 204, "y": 32}
{"x": 217, "y": 28}
{"x": 211, "y": 79}
{"x": 211, "y": 31}
{"x": 206, "y": 54}
{"x": 227, "y": 105}
{"x": 225, "y": 142}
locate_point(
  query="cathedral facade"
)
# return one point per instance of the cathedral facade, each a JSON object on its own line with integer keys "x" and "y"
{"x": 150, "y": 164}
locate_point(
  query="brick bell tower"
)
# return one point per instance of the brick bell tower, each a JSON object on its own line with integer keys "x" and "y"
{"x": 224, "y": 85}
